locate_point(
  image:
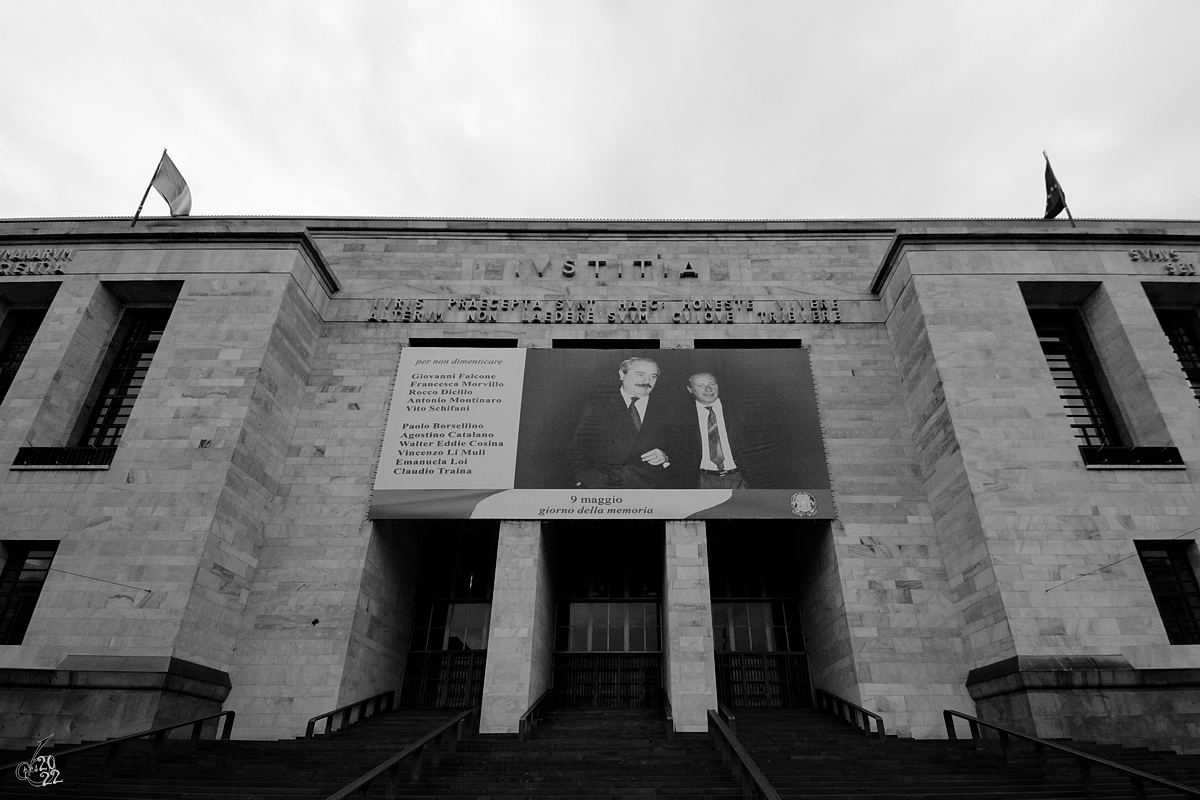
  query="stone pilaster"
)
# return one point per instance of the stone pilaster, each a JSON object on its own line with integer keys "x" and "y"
{"x": 520, "y": 644}
{"x": 690, "y": 673}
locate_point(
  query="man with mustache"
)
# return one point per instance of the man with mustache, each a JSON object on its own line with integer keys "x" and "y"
{"x": 619, "y": 440}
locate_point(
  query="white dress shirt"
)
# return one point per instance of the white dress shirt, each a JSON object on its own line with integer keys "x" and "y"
{"x": 706, "y": 461}
{"x": 641, "y": 404}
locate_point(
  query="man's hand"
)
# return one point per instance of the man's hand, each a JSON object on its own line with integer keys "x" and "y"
{"x": 656, "y": 457}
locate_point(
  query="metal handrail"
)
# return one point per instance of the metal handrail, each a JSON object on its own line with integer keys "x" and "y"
{"x": 856, "y": 715}
{"x": 159, "y": 734}
{"x": 745, "y": 771}
{"x": 431, "y": 740}
{"x": 361, "y": 705}
{"x": 530, "y": 719}
{"x": 668, "y": 712}
{"x": 1137, "y": 777}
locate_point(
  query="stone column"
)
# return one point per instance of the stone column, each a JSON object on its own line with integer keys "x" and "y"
{"x": 521, "y": 641}
{"x": 690, "y": 673}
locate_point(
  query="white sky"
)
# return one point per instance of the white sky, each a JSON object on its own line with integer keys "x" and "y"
{"x": 735, "y": 109}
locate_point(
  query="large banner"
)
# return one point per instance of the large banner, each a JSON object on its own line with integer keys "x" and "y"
{"x": 602, "y": 434}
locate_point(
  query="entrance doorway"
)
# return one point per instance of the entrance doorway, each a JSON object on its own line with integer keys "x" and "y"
{"x": 758, "y": 639}
{"x": 608, "y": 631}
{"x": 453, "y": 611}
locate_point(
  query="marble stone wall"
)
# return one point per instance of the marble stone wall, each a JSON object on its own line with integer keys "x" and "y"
{"x": 687, "y": 632}
{"x": 521, "y": 641}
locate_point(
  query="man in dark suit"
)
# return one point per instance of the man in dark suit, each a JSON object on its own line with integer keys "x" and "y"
{"x": 711, "y": 438}
{"x": 619, "y": 440}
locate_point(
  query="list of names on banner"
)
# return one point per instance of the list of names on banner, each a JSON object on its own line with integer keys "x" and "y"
{"x": 453, "y": 415}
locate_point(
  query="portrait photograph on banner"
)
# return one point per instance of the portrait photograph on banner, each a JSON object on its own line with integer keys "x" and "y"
{"x": 609, "y": 434}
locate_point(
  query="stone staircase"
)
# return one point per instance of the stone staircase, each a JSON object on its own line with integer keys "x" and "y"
{"x": 597, "y": 753}
{"x": 808, "y": 754}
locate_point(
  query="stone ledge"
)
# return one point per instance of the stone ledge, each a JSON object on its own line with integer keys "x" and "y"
{"x": 1057, "y": 673}
{"x": 155, "y": 673}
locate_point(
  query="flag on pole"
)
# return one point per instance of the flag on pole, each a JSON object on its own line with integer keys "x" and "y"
{"x": 1056, "y": 201}
{"x": 173, "y": 188}
{"x": 1056, "y": 198}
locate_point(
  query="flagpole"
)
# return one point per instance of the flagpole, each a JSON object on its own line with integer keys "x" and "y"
{"x": 1066, "y": 207}
{"x": 146, "y": 194}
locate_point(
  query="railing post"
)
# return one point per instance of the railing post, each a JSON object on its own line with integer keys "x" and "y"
{"x": 418, "y": 757}
{"x": 196, "y": 734}
{"x": 1085, "y": 772}
{"x": 1043, "y": 761}
{"x": 156, "y": 748}
{"x": 393, "y": 779}
{"x": 345, "y": 719}
{"x": 1004, "y": 745}
{"x": 111, "y": 758}
{"x": 951, "y": 733}
{"x": 1139, "y": 788}
{"x": 976, "y": 734}
{"x": 436, "y": 756}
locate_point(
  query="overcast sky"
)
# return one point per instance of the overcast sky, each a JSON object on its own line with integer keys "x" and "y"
{"x": 794, "y": 110}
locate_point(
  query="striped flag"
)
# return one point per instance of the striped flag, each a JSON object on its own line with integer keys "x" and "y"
{"x": 173, "y": 188}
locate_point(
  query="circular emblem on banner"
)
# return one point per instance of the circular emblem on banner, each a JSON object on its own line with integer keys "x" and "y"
{"x": 804, "y": 504}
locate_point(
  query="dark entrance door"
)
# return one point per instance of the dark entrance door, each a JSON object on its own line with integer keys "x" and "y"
{"x": 453, "y": 616}
{"x": 608, "y": 642}
{"x": 759, "y": 642}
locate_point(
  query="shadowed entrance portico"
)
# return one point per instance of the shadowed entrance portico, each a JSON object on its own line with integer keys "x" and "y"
{"x": 608, "y": 640}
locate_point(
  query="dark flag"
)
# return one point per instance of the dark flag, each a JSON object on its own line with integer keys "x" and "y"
{"x": 1056, "y": 199}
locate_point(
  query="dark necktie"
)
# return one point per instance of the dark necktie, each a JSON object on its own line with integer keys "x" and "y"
{"x": 634, "y": 415}
{"x": 715, "y": 452}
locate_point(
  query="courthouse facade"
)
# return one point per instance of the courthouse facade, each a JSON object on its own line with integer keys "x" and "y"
{"x": 280, "y": 465}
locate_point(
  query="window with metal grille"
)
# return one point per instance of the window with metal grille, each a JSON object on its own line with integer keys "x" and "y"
{"x": 1173, "y": 584}
{"x": 21, "y": 325}
{"x": 143, "y": 330}
{"x": 1180, "y": 328}
{"x": 26, "y": 565}
{"x": 1077, "y": 380}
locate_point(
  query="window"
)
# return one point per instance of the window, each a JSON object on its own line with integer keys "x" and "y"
{"x": 26, "y": 565}
{"x": 608, "y": 628}
{"x": 17, "y": 334}
{"x": 466, "y": 341}
{"x": 606, "y": 344}
{"x": 1078, "y": 380}
{"x": 143, "y": 329}
{"x": 1180, "y": 328}
{"x": 756, "y": 626}
{"x": 773, "y": 343}
{"x": 1173, "y": 584}
{"x": 454, "y": 606}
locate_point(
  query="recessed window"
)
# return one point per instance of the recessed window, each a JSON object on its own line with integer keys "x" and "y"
{"x": 606, "y": 344}
{"x": 474, "y": 341}
{"x": 20, "y": 326}
{"x": 1173, "y": 584}
{"x": 1076, "y": 376}
{"x": 1181, "y": 330}
{"x": 26, "y": 565}
{"x": 110, "y": 413}
{"x": 746, "y": 344}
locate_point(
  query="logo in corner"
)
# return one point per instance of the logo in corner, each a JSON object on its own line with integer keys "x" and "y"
{"x": 804, "y": 504}
{"x": 39, "y": 770}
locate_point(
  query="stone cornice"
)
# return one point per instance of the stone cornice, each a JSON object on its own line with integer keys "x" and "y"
{"x": 297, "y": 238}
